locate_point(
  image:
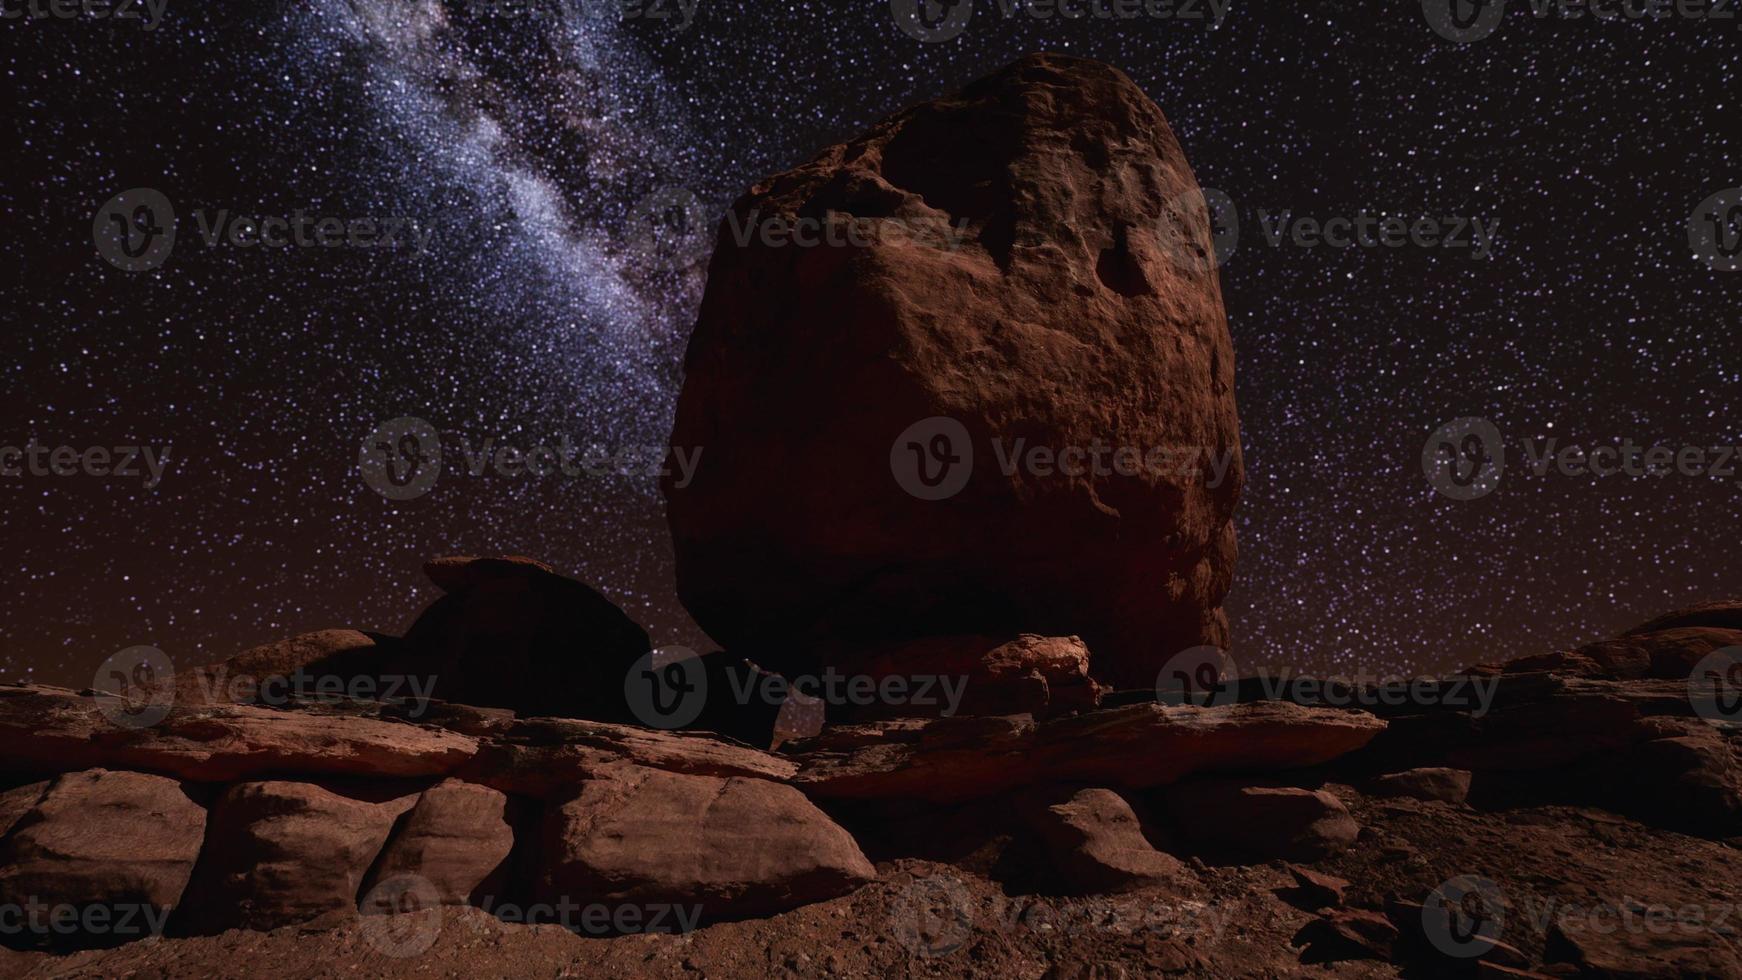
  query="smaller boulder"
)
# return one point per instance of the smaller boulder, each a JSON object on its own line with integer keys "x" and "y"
{"x": 282, "y": 853}
{"x": 1347, "y": 934}
{"x": 457, "y": 838}
{"x": 1095, "y": 843}
{"x": 1313, "y": 890}
{"x": 102, "y": 857}
{"x": 1262, "y": 822}
{"x": 979, "y": 675}
{"x": 729, "y": 848}
{"x": 512, "y": 633}
{"x": 1432, "y": 783}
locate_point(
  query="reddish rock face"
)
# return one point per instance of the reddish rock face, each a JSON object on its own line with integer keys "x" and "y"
{"x": 1223, "y": 816}
{"x": 282, "y": 853}
{"x": 1095, "y": 843}
{"x": 1074, "y": 314}
{"x": 1039, "y": 675}
{"x": 1433, "y": 783}
{"x": 457, "y": 838}
{"x": 119, "y": 845}
{"x": 734, "y": 847}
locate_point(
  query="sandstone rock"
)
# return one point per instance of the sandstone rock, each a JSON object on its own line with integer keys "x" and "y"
{"x": 1315, "y": 890}
{"x": 949, "y": 760}
{"x": 1347, "y": 934}
{"x": 118, "y": 847}
{"x": 1665, "y": 949}
{"x": 512, "y": 633}
{"x": 457, "y": 838}
{"x": 1065, "y": 320}
{"x": 340, "y": 654}
{"x": 1230, "y": 817}
{"x": 282, "y": 853}
{"x": 549, "y": 756}
{"x": 1722, "y": 615}
{"x": 1666, "y": 654}
{"x": 736, "y": 847}
{"x": 1433, "y": 783}
{"x": 1095, "y": 843}
{"x": 48, "y": 729}
{"x": 1038, "y": 675}
{"x": 18, "y": 801}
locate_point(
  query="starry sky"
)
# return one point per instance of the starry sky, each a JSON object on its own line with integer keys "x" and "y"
{"x": 526, "y": 136}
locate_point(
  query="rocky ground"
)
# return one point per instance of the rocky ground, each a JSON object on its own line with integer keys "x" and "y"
{"x": 924, "y": 919}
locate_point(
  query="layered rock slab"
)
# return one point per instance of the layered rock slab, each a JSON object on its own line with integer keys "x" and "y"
{"x": 951, "y": 760}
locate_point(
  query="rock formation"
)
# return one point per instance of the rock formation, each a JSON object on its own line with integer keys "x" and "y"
{"x": 1018, "y": 278}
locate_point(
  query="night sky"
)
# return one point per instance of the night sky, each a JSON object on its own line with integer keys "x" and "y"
{"x": 523, "y": 136}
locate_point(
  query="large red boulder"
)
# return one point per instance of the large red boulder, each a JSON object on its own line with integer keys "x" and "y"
{"x": 1028, "y": 272}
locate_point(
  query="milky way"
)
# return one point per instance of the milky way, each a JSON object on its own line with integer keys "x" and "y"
{"x": 527, "y": 138}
